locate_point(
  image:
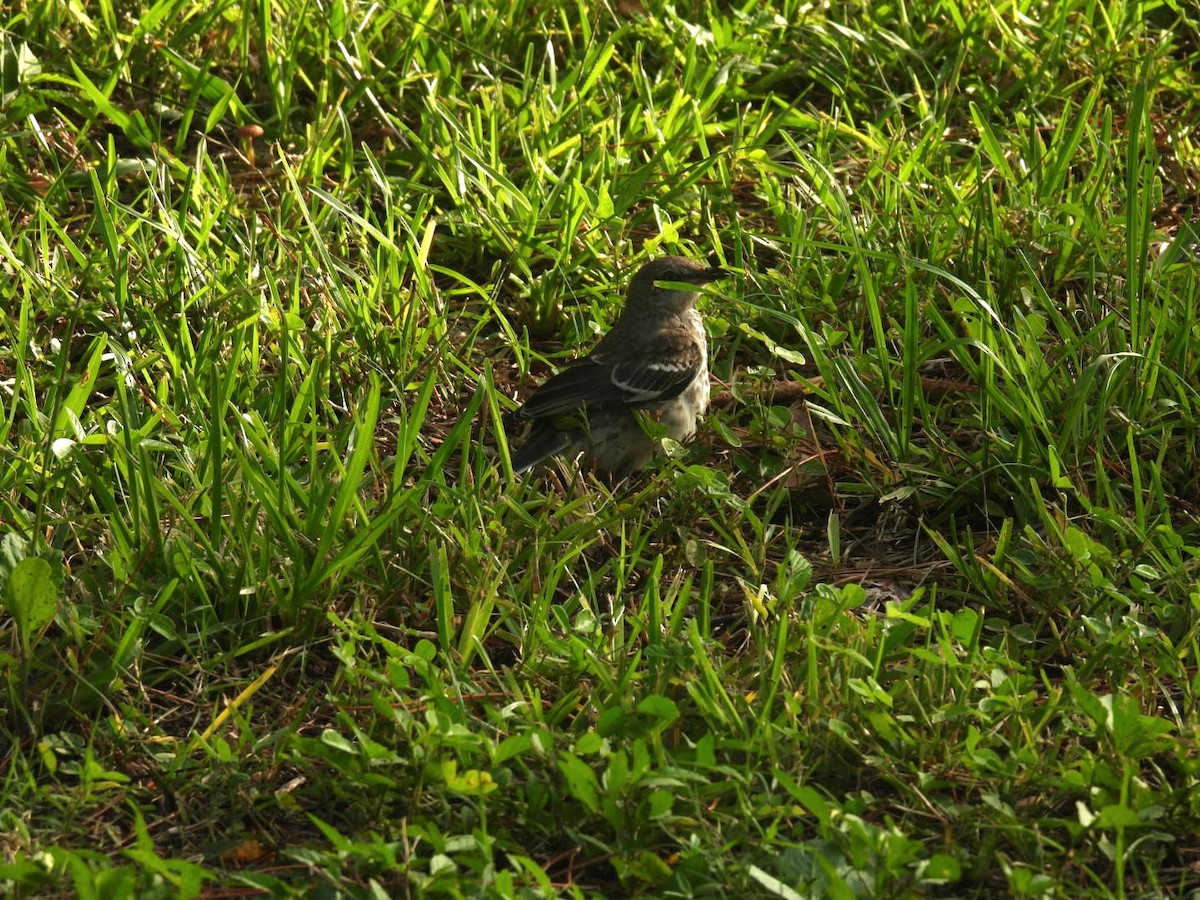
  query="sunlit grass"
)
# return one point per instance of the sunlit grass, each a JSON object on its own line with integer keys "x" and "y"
{"x": 916, "y": 613}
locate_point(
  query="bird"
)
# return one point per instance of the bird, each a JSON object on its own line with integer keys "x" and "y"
{"x": 654, "y": 360}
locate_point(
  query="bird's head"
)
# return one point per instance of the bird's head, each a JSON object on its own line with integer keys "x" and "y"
{"x": 671, "y": 283}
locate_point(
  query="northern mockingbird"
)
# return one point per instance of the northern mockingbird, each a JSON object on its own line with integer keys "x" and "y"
{"x": 653, "y": 359}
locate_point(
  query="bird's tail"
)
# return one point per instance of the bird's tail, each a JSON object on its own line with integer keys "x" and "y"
{"x": 545, "y": 441}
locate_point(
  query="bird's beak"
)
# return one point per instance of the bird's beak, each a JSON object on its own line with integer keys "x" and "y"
{"x": 704, "y": 276}
{"x": 693, "y": 280}
{"x": 711, "y": 274}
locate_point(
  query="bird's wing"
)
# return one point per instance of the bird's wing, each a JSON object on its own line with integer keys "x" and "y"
{"x": 646, "y": 381}
{"x": 584, "y": 383}
{"x": 612, "y": 379}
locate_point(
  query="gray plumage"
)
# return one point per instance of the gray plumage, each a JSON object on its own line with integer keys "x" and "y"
{"x": 654, "y": 359}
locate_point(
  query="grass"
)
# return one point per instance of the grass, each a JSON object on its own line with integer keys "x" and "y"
{"x": 916, "y": 615}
